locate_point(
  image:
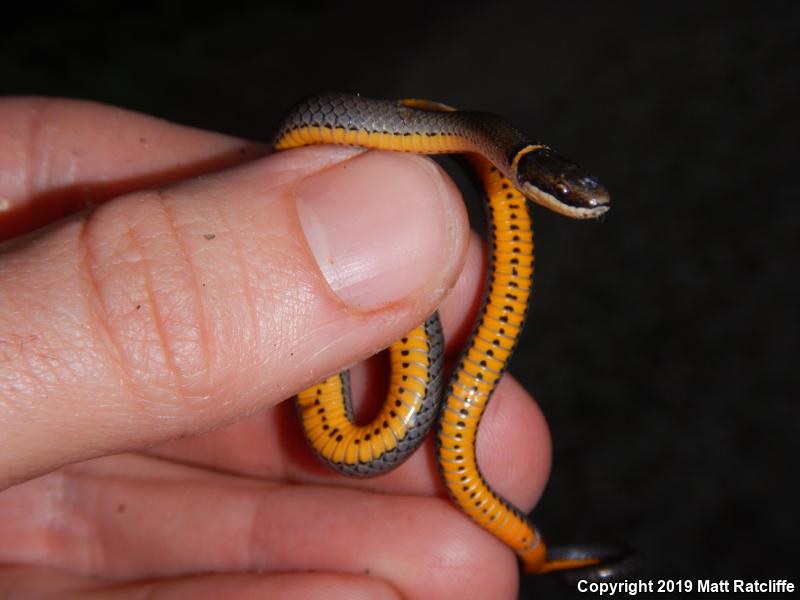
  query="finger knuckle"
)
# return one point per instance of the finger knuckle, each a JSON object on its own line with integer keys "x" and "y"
{"x": 144, "y": 296}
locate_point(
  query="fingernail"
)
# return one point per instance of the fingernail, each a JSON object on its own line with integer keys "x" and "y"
{"x": 378, "y": 225}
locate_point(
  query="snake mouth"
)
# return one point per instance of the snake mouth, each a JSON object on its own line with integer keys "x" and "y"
{"x": 592, "y": 209}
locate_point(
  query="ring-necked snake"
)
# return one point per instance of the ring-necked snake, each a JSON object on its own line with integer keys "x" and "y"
{"x": 512, "y": 170}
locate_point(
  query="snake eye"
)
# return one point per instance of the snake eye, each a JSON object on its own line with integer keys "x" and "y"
{"x": 562, "y": 189}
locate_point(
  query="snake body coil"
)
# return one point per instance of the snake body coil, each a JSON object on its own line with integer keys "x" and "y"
{"x": 512, "y": 170}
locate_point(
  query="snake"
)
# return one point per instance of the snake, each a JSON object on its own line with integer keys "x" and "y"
{"x": 512, "y": 170}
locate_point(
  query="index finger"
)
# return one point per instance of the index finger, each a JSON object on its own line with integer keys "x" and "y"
{"x": 58, "y": 156}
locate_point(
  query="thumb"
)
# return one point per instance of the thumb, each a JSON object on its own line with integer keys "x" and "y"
{"x": 169, "y": 312}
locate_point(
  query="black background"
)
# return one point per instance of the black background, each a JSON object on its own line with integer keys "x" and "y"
{"x": 663, "y": 341}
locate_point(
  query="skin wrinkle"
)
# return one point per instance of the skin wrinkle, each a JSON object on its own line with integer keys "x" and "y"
{"x": 254, "y": 530}
{"x": 62, "y": 489}
{"x": 202, "y": 323}
{"x": 157, "y": 198}
{"x": 95, "y": 556}
{"x": 138, "y": 388}
{"x": 101, "y": 323}
{"x": 158, "y": 319}
{"x": 80, "y": 508}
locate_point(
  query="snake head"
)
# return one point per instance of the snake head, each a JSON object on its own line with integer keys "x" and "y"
{"x": 559, "y": 184}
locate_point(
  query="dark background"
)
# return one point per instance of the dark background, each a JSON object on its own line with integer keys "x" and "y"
{"x": 663, "y": 342}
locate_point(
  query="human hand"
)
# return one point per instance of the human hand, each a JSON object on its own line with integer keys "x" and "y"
{"x": 188, "y": 304}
